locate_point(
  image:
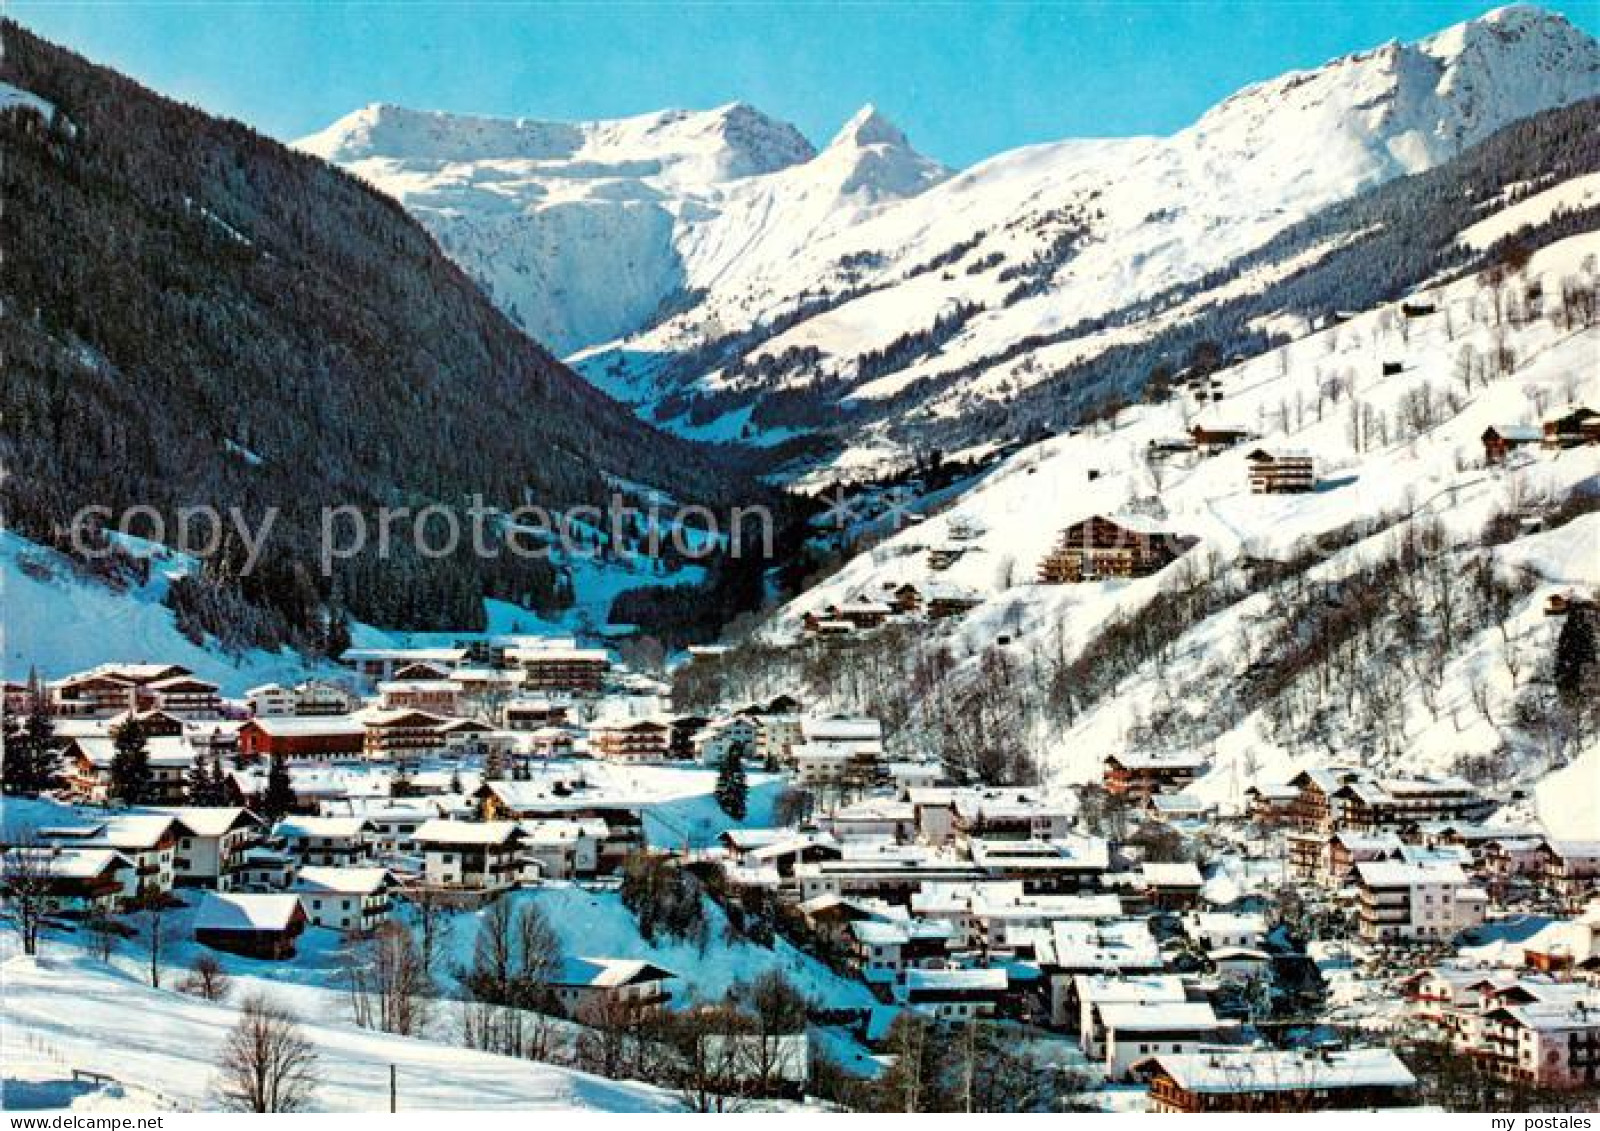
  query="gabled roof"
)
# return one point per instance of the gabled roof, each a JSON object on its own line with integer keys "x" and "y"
{"x": 343, "y": 881}
{"x": 1230, "y": 1071}
{"x": 237, "y": 911}
{"x": 443, "y": 831}
{"x": 608, "y": 973}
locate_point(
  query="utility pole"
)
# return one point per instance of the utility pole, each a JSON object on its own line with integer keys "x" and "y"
{"x": 392, "y": 1106}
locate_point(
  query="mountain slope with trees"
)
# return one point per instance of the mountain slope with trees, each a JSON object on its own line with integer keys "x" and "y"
{"x": 197, "y": 315}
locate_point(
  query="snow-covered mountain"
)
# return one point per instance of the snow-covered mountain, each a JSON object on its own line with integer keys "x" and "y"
{"x": 1035, "y": 241}
{"x": 582, "y": 231}
{"x": 745, "y": 278}
{"x": 1394, "y": 616}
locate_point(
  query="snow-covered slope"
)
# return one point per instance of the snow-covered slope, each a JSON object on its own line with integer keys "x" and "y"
{"x": 1398, "y": 452}
{"x": 57, "y": 621}
{"x": 1039, "y": 239}
{"x": 582, "y": 230}
{"x": 69, "y": 1011}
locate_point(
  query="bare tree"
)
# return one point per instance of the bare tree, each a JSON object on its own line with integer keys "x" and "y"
{"x": 207, "y": 979}
{"x": 28, "y": 885}
{"x": 435, "y": 921}
{"x": 154, "y": 929}
{"x": 268, "y": 1064}
{"x": 388, "y": 982}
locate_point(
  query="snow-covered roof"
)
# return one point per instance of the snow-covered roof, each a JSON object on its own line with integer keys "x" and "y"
{"x": 1398, "y": 873}
{"x": 339, "y": 828}
{"x": 1275, "y": 1070}
{"x": 442, "y": 831}
{"x": 607, "y": 973}
{"x": 239, "y": 911}
{"x": 295, "y": 726}
{"x": 934, "y": 982}
{"x": 66, "y": 863}
{"x": 1171, "y": 874}
{"x": 208, "y": 821}
{"x": 1158, "y": 1017}
{"x": 342, "y": 881}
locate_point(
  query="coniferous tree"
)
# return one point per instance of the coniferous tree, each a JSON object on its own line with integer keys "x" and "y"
{"x": 219, "y": 782}
{"x": 733, "y": 788}
{"x": 278, "y": 798}
{"x": 30, "y": 755}
{"x": 132, "y": 782}
{"x": 197, "y": 782}
{"x": 1575, "y": 657}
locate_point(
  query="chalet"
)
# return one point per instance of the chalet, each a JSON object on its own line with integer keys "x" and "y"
{"x": 1171, "y": 886}
{"x": 378, "y": 664}
{"x": 630, "y": 740}
{"x": 79, "y": 879}
{"x": 475, "y": 856}
{"x": 882, "y": 871}
{"x": 1215, "y": 930}
{"x": 903, "y": 597}
{"x": 1135, "y": 1031}
{"x": 187, "y": 696}
{"x": 1101, "y": 547}
{"x": 561, "y": 666}
{"x": 1139, "y": 776}
{"x": 717, "y": 738}
{"x": 269, "y": 699}
{"x": 1277, "y": 1080}
{"x": 1209, "y": 441}
{"x": 1500, "y": 440}
{"x": 1554, "y": 1044}
{"x": 302, "y": 738}
{"x": 86, "y": 764}
{"x": 344, "y": 899}
{"x": 1007, "y": 814}
{"x": 211, "y": 844}
{"x": 1401, "y": 902}
{"x": 1281, "y": 473}
{"x": 947, "y": 601}
{"x": 1569, "y": 868}
{"x": 256, "y": 926}
{"x": 564, "y": 849}
{"x": 537, "y": 801}
{"x": 953, "y": 995}
{"x": 551, "y": 742}
{"x": 533, "y": 713}
{"x": 1094, "y": 991}
{"x": 1314, "y": 806}
{"x": 312, "y": 697}
{"x": 1070, "y": 947}
{"x": 403, "y": 735}
{"x": 1067, "y": 864}
{"x": 871, "y": 818}
{"x": 941, "y": 558}
{"x": 110, "y": 688}
{"x": 327, "y": 842}
{"x": 1573, "y": 428}
{"x": 1392, "y": 802}
{"x": 148, "y": 841}
{"x": 585, "y": 986}
{"x": 884, "y": 948}
{"x": 265, "y": 869}
{"x": 780, "y": 849}
{"x": 1269, "y": 804}
{"x": 438, "y": 696}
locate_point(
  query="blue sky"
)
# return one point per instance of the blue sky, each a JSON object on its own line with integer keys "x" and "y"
{"x": 965, "y": 80}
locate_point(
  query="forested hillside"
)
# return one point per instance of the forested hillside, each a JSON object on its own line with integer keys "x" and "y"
{"x": 195, "y": 314}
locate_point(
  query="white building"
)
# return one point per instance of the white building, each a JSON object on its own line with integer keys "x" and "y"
{"x": 344, "y": 899}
